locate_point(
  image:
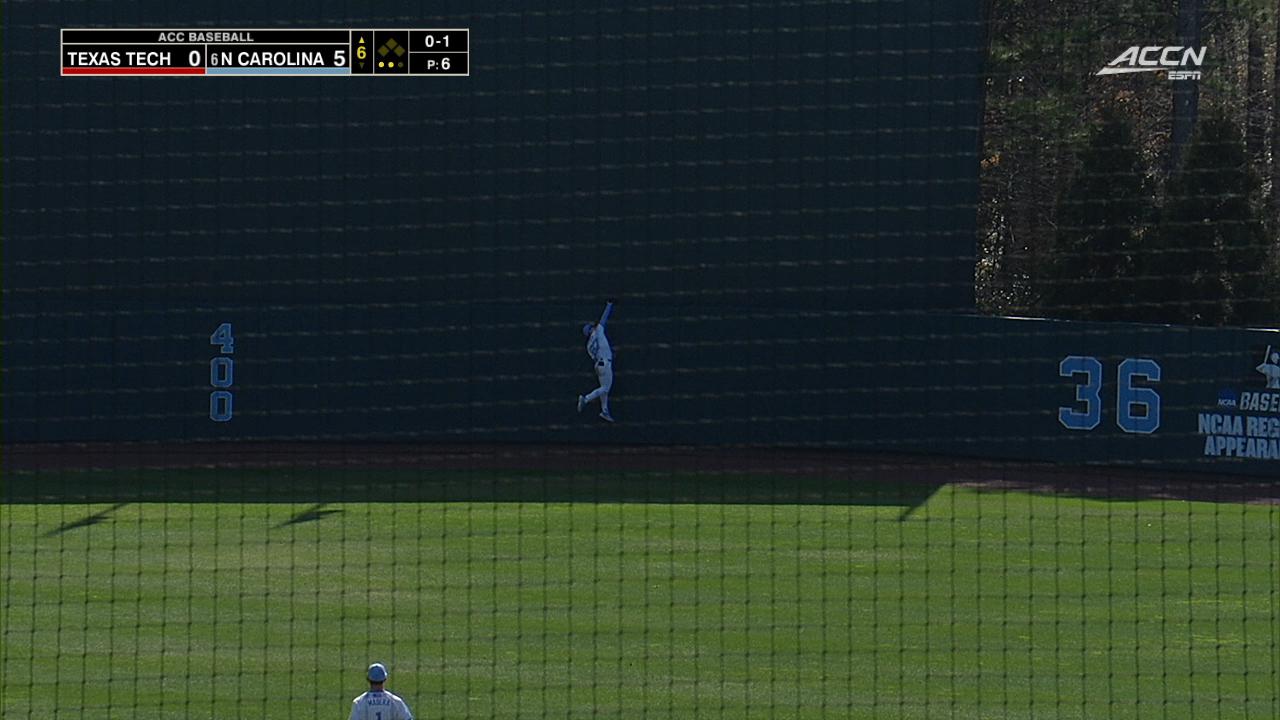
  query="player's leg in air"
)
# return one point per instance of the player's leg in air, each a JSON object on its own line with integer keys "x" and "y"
{"x": 604, "y": 373}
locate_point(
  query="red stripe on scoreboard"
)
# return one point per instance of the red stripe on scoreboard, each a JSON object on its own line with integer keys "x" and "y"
{"x": 132, "y": 71}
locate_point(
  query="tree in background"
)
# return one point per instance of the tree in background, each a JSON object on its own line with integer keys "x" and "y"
{"x": 1041, "y": 96}
{"x": 1255, "y": 95}
{"x": 1211, "y": 263}
{"x": 1093, "y": 273}
{"x": 1186, "y": 95}
{"x": 1274, "y": 209}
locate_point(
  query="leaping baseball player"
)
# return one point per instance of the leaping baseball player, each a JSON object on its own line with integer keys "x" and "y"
{"x": 602, "y": 355}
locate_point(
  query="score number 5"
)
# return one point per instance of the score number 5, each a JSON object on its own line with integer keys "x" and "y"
{"x": 1128, "y": 397}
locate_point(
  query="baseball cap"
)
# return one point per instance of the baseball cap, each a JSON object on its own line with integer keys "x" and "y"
{"x": 377, "y": 672}
{"x": 586, "y": 329}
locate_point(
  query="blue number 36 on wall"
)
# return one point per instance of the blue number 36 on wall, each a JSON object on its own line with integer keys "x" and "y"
{"x": 1137, "y": 408}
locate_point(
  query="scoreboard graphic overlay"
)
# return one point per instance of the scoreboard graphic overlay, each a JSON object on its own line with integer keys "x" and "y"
{"x": 163, "y": 52}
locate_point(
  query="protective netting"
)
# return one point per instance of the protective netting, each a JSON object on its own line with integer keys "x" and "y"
{"x": 290, "y": 368}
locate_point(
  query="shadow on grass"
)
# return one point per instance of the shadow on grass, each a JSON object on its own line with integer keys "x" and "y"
{"x": 314, "y": 513}
{"x": 98, "y": 517}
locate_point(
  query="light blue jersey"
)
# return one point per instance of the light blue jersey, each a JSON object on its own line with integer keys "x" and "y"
{"x": 379, "y": 705}
{"x": 598, "y": 344}
{"x": 602, "y": 359}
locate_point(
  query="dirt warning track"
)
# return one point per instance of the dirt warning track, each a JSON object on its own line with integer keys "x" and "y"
{"x": 684, "y": 461}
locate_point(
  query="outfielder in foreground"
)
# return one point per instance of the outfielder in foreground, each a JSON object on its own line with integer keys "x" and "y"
{"x": 602, "y": 355}
{"x": 378, "y": 704}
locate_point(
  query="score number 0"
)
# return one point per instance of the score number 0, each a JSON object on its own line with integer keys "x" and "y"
{"x": 221, "y": 374}
{"x": 1128, "y": 397}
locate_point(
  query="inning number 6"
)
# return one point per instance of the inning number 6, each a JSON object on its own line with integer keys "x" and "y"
{"x": 1129, "y": 399}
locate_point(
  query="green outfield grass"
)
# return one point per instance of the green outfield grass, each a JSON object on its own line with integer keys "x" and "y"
{"x": 977, "y": 605}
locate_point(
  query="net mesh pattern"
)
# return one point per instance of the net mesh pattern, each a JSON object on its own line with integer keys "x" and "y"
{"x": 941, "y": 381}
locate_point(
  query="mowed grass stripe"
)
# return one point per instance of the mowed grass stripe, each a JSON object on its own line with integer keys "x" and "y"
{"x": 981, "y": 604}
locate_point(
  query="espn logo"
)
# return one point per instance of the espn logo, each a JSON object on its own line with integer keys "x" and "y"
{"x": 1176, "y": 59}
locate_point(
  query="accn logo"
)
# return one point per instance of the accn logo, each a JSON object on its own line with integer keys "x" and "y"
{"x": 1182, "y": 63}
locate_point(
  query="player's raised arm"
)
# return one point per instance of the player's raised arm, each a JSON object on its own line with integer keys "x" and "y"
{"x": 607, "y": 310}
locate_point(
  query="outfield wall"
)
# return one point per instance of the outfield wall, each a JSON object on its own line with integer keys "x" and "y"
{"x": 782, "y": 197}
{"x": 413, "y": 257}
{"x": 986, "y": 387}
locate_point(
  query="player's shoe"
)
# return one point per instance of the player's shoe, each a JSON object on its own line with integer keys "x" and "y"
{"x": 582, "y": 402}
{"x": 606, "y": 416}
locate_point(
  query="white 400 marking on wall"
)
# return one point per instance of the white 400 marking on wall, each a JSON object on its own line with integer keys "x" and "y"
{"x": 1128, "y": 397}
{"x": 220, "y": 374}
